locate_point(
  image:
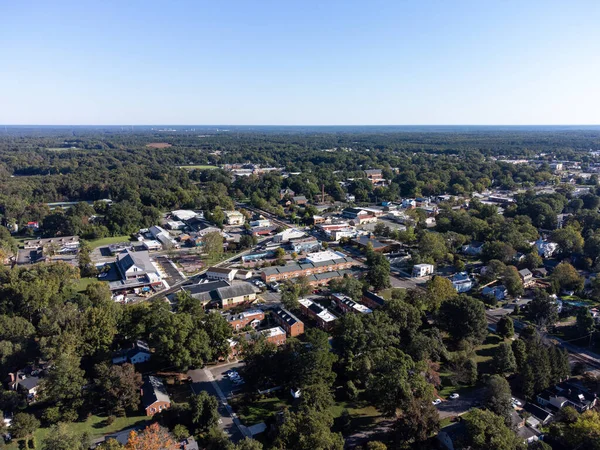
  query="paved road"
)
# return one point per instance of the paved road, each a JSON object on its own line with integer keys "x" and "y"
{"x": 205, "y": 380}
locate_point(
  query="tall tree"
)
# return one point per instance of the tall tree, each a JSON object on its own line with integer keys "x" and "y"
{"x": 498, "y": 398}
{"x": 504, "y": 359}
{"x": 486, "y": 430}
{"x": 463, "y": 317}
{"x": 62, "y": 437}
{"x": 153, "y": 437}
{"x": 440, "y": 289}
{"x": 203, "y": 410}
{"x": 505, "y": 327}
{"x": 118, "y": 387}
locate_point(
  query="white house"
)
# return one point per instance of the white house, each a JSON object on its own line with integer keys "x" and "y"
{"x": 138, "y": 353}
{"x": 421, "y": 270}
{"x": 545, "y": 249}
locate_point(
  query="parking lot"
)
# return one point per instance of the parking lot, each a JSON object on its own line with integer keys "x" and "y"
{"x": 172, "y": 275}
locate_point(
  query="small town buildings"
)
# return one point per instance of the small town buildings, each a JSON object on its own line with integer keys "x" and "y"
{"x": 317, "y": 220}
{"x": 286, "y": 193}
{"x": 372, "y": 300}
{"x": 260, "y": 223}
{"x": 276, "y": 335}
{"x": 322, "y": 316}
{"x": 151, "y": 245}
{"x": 336, "y": 235}
{"x": 65, "y": 244}
{"x": 541, "y": 414}
{"x": 221, "y": 273}
{"x": 243, "y": 274}
{"x": 409, "y": 203}
{"x": 462, "y": 282}
{"x": 300, "y": 200}
{"x": 422, "y": 270}
{"x": 154, "y": 396}
{"x": 234, "y": 218}
{"x": 354, "y": 213}
{"x": 236, "y": 294}
{"x": 376, "y": 244}
{"x": 184, "y": 215}
{"x": 306, "y": 244}
{"x": 136, "y": 271}
{"x": 139, "y": 352}
{"x": 175, "y": 225}
{"x": 289, "y": 322}
{"x": 288, "y": 234}
{"x": 241, "y": 320}
{"x": 526, "y": 277}
{"x": 346, "y": 304}
{"x": 163, "y": 236}
{"x": 310, "y": 267}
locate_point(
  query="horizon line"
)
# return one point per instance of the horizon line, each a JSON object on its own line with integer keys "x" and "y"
{"x": 304, "y": 125}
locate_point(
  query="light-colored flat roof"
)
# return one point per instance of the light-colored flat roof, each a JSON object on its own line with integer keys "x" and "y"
{"x": 326, "y": 255}
{"x": 272, "y": 332}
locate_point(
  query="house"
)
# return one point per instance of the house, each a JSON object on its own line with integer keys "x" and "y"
{"x": 462, "y": 282}
{"x": 27, "y": 381}
{"x": 324, "y": 319}
{"x": 189, "y": 444}
{"x": 541, "y": 414}
{"x": 252, "y": 317}
{"x": 499, "y": 292}
{"x": 260, "y": 223}
{"x": 545, "y": 249}
{"x": 289, "y": 322}
{"x": 204, "y": 292}
{"x": 350, "y": 198}
{"x": 234, "y": 218}
{"x": 221, "y": 273}
{"x": 421, "y": 270}
{"x": 372, "y": 300}
{"x": 138, "y": 353}
{"x": 276, "y": 335}
{"x": 154, "y": 396}
{"x": 409, "y": 203}
{"x": 526, "y": 277}
{"x": 376, "y": 244}
{"x": 346, "y": 304}
{"x": 136, "y": 271}
{"x": 300, "y": 200}
{"x": 567, "y": 393}
{"x": 473, "y": 249}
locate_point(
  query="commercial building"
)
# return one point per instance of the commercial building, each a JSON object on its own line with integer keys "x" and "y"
{"x": 220, "y": 273}
{"x": 66, "y": 244}
{"x": 221, "y": 293}
{"x": 305, "y": 244}
{"x": 421, "y": 270}
{"x": 322, "y": 316}
{"x": 306, "y": 269}
{"x": 136, "y": 270}
{"x": 289, "y": 322}
{"x": 234, "y": 218}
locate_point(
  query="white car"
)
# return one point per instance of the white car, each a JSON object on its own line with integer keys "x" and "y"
{"x": 436, "y": 402}
{"x": 454, "y": 396}
{"x": 516, "y": 402}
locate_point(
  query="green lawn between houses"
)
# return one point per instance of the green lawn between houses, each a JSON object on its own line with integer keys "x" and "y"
{"x": 95, "y": 426}
{"x": 83, "y": 283}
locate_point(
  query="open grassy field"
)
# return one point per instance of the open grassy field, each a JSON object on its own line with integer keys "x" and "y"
{"x": 95, "y": 243}
{"x": 95, "y": 426}
{"x": 198, "y": 167}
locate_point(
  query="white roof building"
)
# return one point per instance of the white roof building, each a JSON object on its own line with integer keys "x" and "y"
{"x": 326, "y": 255}
{"x": 183, "y": 214}
{"x": 287, "y": 234}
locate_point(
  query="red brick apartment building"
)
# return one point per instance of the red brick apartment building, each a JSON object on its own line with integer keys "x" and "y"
{"x": 241, "y": 320}
{"x": 289, "y": 322}
{"x": 324, "y": 318}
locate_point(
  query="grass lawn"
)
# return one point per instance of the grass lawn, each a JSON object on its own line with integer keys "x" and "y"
{"x": 199, "y": 166}
{"x": 109, "y": 240}
{"x": 95, "y": 426}
{"x": 485, "y": 352}
{"x": 83, "y": 283}
{"x": 257, "y": 411}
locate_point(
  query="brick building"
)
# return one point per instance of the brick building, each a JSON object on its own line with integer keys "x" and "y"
{"x": 289, "y": 322}
{"x": 346, "y": 304}
{"x": 324, "y": 318}
{"x": 239, "y": 321}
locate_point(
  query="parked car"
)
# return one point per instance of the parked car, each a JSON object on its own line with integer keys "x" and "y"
{"x": 454, "y": 396}
{"x": 436, "y": 402}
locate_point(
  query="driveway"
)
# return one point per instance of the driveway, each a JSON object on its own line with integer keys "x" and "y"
{"x": 469, "y": 398}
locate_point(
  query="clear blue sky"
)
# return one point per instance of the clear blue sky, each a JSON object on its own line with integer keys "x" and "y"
{"x": 300, "y": 62}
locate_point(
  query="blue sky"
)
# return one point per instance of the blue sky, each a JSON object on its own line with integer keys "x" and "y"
{"x": 300, "y": 62}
